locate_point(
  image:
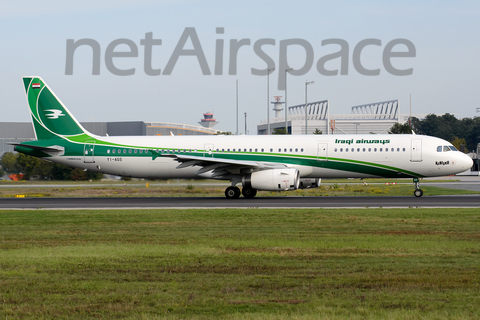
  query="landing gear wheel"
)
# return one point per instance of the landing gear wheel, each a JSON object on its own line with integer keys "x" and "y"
{"x": 418, "y": 193}
{"x": 232, "y": 193}
{"x": 249, "y": 192}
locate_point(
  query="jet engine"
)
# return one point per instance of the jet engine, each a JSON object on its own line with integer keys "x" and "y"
{"x": 306, "y": 183}
{"x": 272, "y": 180}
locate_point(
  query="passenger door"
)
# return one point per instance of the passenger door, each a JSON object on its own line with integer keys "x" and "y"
{"x": 416, "y": 150}
{"x": 89, "y": 152}
{"x": 208, "y": 150}
{"x": 322, "y": 152}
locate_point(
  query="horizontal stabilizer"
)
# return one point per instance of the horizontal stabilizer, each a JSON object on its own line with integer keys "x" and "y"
{"x": 48, "y": 150}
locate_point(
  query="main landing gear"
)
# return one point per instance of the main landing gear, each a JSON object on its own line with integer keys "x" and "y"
{"x": 234, "y": 192}
{"x": 418, "y": 192}
{"x": 249, "y": 192}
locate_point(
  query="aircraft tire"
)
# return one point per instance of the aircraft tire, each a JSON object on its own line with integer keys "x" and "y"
{"x": 418, "y": 193}
{"x": 249, "y": 192}
{"x": 232, "y": 193}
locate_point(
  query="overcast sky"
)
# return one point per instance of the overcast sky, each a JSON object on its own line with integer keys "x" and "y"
{"x": 445, "y": 77}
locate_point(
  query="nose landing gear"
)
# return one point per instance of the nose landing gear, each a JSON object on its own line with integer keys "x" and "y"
{"x": 418, "y": 192}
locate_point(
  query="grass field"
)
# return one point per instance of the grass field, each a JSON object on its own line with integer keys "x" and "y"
{"x": 332, "y": 189}
{"x": 240, "y": 264}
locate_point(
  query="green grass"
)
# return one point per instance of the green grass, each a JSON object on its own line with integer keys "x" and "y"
{"x": 190, "y": 190}
{"x": 240, "y": 264}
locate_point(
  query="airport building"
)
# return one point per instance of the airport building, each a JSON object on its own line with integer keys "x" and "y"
{"x": 376, "y": 117}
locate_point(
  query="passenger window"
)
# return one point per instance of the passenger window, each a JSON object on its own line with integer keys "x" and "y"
{"x": 114, "y": 150}
{"x": 291, "y": 150}
{"x": 353, "y": 149}
{"x": 301, "y": 149}
{"x": 346, "y": 149}
{"x": 363, "y": 149}
{"x": 285, "y": 150}
{"x": 271, "y": 150}
{"x": 369, "y": 149}
{"x": 375, "y": 150}
{"x": 279, "y": 150}
{"x": 129, "y": 150}
{"x": 403, "y": 149}
{"x": 381, "y": 149}
{"x": 124, "y": 150}
{"x": 250, "y": 149}
{"x": 296, "y": 149}
{"x": 341, "y": 149}
{"x": 335, "y": 150}
{"x": 141, "y": 150}
{"x": 358, "y": 149}
{"x": 135, "y": 151}
{"x": 262, "y": 149}
{"x": 256, "y": 149}
{"x": 386, "y": 149}
{"x": 233, "y": 150}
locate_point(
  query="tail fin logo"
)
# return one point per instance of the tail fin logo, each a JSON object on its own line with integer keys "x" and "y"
{"x": 54, "y": 113}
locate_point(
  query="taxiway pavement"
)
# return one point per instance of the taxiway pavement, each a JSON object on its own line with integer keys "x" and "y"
{"x": 259, "y": 202}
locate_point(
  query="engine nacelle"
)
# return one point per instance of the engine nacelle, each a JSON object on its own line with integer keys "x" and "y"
{"x": 272, "y": 180}
{"x": 306, "y": 183}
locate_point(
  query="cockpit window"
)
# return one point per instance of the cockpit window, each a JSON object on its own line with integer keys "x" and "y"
{"x": 453, "y": 148}
{"x": 439, "y": 149}
{"x": 446, "y": 148}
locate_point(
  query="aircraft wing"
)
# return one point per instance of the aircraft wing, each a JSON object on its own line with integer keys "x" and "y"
{"x": 221, "y": 167}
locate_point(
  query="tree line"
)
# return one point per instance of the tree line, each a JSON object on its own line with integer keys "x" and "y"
{"x": 19, "y": 163}
{"x": 459, "y": 132}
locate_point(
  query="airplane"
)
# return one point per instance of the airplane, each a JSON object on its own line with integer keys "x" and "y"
{"x": 267, "y": 162}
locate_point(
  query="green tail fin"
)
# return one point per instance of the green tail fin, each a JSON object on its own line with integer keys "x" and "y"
{"x": 50, "y": 117}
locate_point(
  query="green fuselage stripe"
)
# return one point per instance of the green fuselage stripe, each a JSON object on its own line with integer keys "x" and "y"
{"x": 74, "y": 146}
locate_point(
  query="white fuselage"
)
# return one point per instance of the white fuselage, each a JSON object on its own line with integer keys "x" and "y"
{"x": 315, "y": 156}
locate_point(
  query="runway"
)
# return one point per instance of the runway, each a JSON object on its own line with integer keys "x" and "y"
{"x": 260, "y": 202}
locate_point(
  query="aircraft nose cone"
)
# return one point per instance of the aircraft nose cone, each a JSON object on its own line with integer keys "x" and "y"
{"x": 466, "y": 162}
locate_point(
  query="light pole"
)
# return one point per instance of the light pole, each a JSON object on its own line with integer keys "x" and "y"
{"x": 236, "y": 105}
{"x": 245, "y": 123}
{"x": 306, "y": 108}
{"x": 268, "y": 98}
{"x": 356, "y": 127}
{"x": 286, "y": 107}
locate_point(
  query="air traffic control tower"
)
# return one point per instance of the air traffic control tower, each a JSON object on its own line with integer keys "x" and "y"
{"x": 208, "y": 121}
